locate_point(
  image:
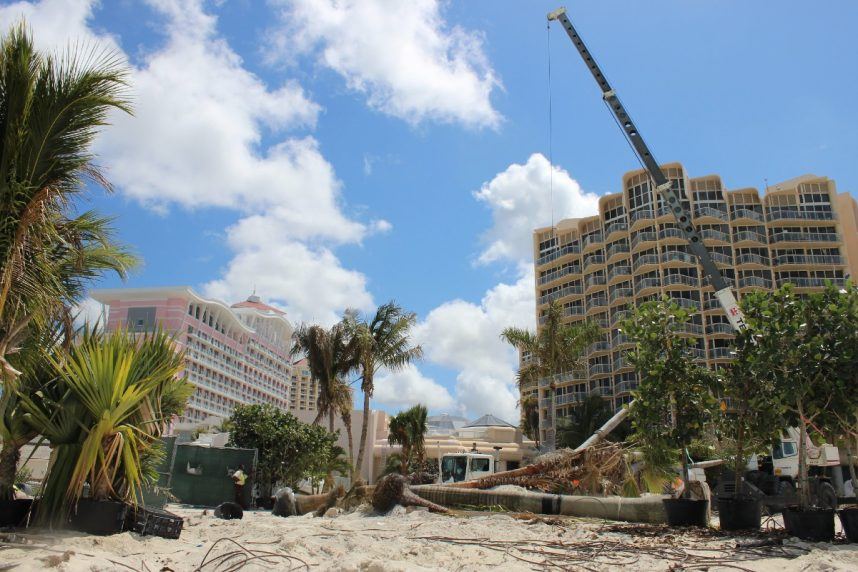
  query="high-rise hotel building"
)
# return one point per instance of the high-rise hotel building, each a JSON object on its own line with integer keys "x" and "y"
{"x": 600, "y": 267}
{"x": 234, "y": 355}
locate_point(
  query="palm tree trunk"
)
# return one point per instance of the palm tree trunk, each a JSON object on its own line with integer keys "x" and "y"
{"x": 319, "y": 416}
{"x": 9, "y": 457}
{"x": 347, "y": 421}
{"x": 363, "y": 430}
{"x": 331, "y": 421}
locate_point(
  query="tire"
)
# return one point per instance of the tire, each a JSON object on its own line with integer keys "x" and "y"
{"x": 826, "y": 497}
{"x": 785, "y": 489}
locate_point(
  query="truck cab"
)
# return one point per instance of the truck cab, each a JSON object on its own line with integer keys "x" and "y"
{"x": 459, "y": 467}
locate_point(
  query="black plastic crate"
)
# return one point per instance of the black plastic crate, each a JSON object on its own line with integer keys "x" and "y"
{"x": 154, "y": 522}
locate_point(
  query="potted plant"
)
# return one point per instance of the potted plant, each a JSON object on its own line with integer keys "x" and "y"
{"x": 118, "y": 393}
{"x": 841, "y": 307}
{"x": 750, "y": 421}
{"x": 798, "y": 344}
{"x": 671, "y": 405}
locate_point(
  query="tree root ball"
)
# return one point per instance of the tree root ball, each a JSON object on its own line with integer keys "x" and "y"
{"x": 392, "y": 490}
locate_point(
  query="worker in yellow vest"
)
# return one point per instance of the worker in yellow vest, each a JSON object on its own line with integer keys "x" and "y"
{"x": 239, "y": 477}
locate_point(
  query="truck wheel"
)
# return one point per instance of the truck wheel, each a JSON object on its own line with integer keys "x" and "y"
{"x": 786, "y": 489}
{"x": 826, "y": 496}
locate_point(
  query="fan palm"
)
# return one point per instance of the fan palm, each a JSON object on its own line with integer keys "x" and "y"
{"x": 555, "y": 348}
{"x": 382, "y": 342}
{"x": 50, "y": 111}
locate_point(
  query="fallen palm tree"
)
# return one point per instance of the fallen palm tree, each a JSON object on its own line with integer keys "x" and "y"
{"x": 598, "y": 470}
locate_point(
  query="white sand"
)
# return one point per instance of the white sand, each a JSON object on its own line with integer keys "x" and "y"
{"x": 398, "y": 542}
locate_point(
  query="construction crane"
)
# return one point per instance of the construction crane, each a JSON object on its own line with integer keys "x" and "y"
{"x": 663, "y": 186}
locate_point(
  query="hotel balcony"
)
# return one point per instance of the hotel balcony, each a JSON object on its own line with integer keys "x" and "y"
{"x": 719, "y": 329}
{"x": 557, "y": 274}
{"x": 749, "y": 238}
{"x": 646, "y": 286}
{"x": 721, "y": 353}
{"x": 808, "y": 260}
{"x": 640, "y": 216}
{"x": 621, "y": 294}
{"x": 710, "y": 214}
{"x": 644, "y": 262}
{"x": 789, "y": 214}
{"x": 804, "y": 237}
{"x": 811, "y": 282}
{"x": 618, "y": 272}
{"x": 562, "y": 251}
{"x": 626, "y": 387}
{"x": 599, "y": 369}
{"x": 754, "y": 282}
{"x": 592, "y": 260}
{"x": 617, "y": 250}
{"x": 755, "y": 260}
{"x": 743, "y": 214}
{"x": 643, "y": 239}
{"x": 566, "y": 291}
{"x": 615, "y": 227}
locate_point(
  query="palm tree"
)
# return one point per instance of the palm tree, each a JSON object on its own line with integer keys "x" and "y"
{"x": 530, "y": 417}
{"x": 555, "y": 348}
{"x": 408, "y": 429}
{"x": 87, "y": 254}
{"x": 584, "y": 420}
{"x": 330, "y": 358}
{"x": 382, "y": 342}
{"x": 121, "y": 390}
{"x": 50, "y": 111}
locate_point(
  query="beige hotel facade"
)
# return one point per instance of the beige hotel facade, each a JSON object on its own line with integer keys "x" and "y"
{"x": 600, "y": 267}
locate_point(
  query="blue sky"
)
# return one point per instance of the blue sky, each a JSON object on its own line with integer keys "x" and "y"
{"x": 340, "y": 154}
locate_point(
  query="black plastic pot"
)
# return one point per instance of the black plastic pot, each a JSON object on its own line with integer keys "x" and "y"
{"x": 14, "y": 512}
{"x": 686, "y": 512}
{"x": 849, "y": 520}
{"x": 99, "y": 517}
{"x": 739, "y": 513}
{"x": 815, "y": 524}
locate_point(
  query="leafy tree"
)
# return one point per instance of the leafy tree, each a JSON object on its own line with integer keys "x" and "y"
{"x": 805, "y": 346}
{"x": 751, "y": 417}
{"x": 381, "y": 342}
{"x": 673, "y": 400}
{"x": 289, "y": 450}
{"x": 408, "y": 429}
{"x": 584, "y": 420}
{"x": 554, "y": 349}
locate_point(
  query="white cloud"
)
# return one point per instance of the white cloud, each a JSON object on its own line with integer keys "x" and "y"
{"x": 521, "y": 200}
{"x": 310, "y": 284}
{"x": 401, "y": 54}
{"x": 466, "y": 337}
{"x": 408, "y": 387}
{"x": 199, "y": 139}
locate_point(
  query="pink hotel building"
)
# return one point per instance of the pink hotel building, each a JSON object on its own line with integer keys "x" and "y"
{"x": 234, "y": 355}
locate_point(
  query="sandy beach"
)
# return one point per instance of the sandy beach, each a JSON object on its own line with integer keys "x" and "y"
{"x": 417, "y": 540}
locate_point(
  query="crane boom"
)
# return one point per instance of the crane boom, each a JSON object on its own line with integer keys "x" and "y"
{"x": 663, "y": 186}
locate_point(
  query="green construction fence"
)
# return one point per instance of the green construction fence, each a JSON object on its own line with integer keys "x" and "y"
{"x": 201, "y": 475}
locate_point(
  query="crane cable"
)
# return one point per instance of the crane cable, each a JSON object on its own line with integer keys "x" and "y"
{"x": 550, "y": 130}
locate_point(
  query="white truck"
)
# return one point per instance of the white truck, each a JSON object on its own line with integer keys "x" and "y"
{"x": 774, "y": 476}
{"x": 465, "y": 466}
